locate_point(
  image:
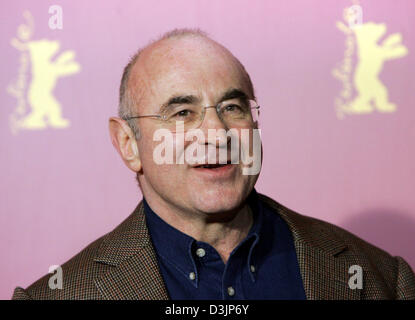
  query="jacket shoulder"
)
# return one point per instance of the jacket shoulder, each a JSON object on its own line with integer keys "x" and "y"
{"x": 320, "y": 233}
{"x": 82, "y": 273}
{"x": 382, "y": 271}
{"x": 77, "y": 278}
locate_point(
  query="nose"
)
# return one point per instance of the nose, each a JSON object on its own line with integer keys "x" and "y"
{"x": 214, "y": 129}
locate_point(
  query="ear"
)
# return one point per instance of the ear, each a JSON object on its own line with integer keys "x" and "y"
{"x": 123, "y": 139}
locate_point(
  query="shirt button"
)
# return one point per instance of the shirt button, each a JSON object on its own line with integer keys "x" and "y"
{"x": 252, "y": 268}
{"x": 200, "y": 252}
{"x": 192, "y": 276}
{"x": 231, "y": 291}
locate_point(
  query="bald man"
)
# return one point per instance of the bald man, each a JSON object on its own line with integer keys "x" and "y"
{"x": 201, "y": 230}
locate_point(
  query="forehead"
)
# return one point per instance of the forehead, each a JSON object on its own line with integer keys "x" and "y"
{"x": 187, "y": 66}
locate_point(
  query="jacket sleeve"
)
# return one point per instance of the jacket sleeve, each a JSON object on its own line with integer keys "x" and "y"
{"x": 21, "y": 294}
{"x": 405, "y": 287}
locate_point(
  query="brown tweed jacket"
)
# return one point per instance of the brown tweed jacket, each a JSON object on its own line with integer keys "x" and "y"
{"x": 122, "y": 264}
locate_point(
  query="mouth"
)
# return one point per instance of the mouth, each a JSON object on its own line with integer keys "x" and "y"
{"x": 216, "y": 171}
{"x": 211, "y": 166}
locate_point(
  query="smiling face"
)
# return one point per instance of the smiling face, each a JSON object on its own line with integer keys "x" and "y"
{"x": 200, "y": 68}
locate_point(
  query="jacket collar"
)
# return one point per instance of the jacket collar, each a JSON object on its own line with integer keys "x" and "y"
{"x": 321, "y": 256}
{"x": 126, "y": 240}
{"x": 136, "y": 275}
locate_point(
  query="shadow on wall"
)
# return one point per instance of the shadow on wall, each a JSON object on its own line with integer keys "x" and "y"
{"x": 390, "y": 230}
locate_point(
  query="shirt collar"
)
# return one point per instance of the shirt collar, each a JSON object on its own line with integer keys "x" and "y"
{"x": 177, "y": 248}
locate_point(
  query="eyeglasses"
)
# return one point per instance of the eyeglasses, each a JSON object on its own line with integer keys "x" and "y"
{"x": 233, "y": 113}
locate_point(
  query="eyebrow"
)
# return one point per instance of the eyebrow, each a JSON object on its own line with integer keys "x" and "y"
{"x": 189, "y": 99}
{"x": 179, "y": 99}
{"x": 233, "y": 94}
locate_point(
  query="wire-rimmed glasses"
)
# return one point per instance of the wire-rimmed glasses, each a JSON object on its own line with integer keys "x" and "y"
{"x": 233, "y": 113}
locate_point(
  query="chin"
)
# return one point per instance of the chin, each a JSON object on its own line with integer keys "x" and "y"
{"x": 217, "y": 200}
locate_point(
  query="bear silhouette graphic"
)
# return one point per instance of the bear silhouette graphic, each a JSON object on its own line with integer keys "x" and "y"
{"x": 371, "y": 92}
{"x": 45, "y": 108}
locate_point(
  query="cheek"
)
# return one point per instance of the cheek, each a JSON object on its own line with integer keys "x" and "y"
{"x": 158, "y": 157}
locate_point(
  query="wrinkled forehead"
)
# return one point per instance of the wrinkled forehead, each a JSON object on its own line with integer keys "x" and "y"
{"x": 187, "y": 66}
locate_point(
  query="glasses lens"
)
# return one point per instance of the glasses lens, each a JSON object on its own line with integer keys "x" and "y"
{"x": 239, "y": 112}
{"x": 234, "y": 112}
{"x": 182, "y": 117}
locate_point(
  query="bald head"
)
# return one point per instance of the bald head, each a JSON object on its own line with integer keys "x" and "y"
{"x": 190, "y": 51}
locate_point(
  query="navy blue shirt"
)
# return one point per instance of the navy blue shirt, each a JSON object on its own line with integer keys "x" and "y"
{"x": 263, "y": 266}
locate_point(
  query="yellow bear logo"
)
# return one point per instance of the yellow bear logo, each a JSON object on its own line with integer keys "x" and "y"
{"x": 44, "y": 76}
{"x": 45, "y": 110}
{"x": 371, "y": 92}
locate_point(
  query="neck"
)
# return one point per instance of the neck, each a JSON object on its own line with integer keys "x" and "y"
{"x": 222, "y": 234}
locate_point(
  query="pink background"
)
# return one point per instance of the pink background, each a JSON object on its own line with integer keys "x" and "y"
{"x": 62, "y": 189}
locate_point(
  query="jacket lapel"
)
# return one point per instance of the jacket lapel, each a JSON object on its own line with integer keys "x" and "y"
{"x": 325, "y": 277}
{"x": 134, "y": 272}
{"x": 323, "y": 258}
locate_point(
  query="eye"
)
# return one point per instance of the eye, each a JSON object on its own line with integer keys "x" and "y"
{"x": 183, "y": 113}
{"x": 232, "y": 108}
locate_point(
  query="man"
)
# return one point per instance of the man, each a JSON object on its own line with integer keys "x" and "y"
{"x": 202, "y": 231}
